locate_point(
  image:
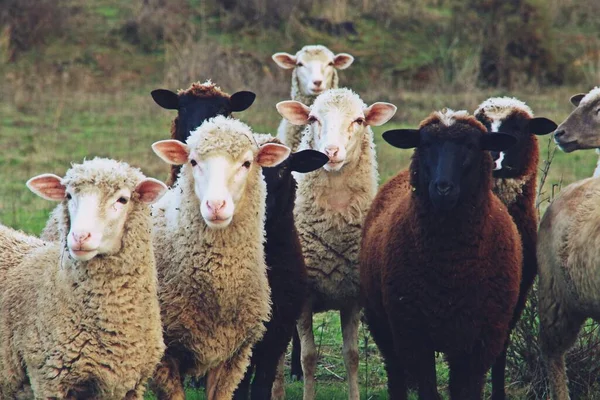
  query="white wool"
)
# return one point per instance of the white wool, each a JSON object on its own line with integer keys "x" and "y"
{"x": 498, "y": 108}
{"x": 591, "y": 96}
{"x": 448, "y": 116}
{"x": 343, "y": 98}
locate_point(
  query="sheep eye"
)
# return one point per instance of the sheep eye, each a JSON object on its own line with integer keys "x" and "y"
{"x": 300, "y": 64}
{"x": 68, "y": 196}
{"x": 194, "y": 163}
{"x": 123, "y": 200}
{"x": 331, "y": 64}
{"x": 360, "y": 121}
{"x": 312, "y": 118}
{"x": 246, "y": 164}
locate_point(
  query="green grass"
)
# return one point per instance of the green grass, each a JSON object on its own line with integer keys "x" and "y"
{"x": 65, "y": 127}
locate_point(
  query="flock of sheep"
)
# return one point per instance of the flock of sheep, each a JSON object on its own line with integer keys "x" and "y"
{"x": 135, "y": 283}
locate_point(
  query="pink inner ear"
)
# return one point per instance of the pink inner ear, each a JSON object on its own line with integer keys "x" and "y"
{"x": 47, "y": 186}
{"x": 150, "y": 190}
{"x": 294, "y": 111}
{"x": 379, "y": 113}
{"x": 343, "y": 61}
{"x": 171, "y": 151}
{"x": 271, "y": 154}
{"x": 285, "y": 60}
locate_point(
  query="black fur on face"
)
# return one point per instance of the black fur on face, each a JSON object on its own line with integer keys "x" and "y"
{"x": 514, "y": 161}
{"x": 281, "y": 185}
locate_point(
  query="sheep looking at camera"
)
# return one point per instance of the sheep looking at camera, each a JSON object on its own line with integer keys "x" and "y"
{"x": 79, "y": 318}
{"x": 314, "y": 71}
{"x": 331, "y": 205}
{"x": 208, "y": 238}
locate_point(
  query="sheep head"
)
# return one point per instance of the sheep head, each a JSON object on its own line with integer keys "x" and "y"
{"x": 581, "y": 128}
{"x": 98, "y": 195}
{"x": 337, "y": 121}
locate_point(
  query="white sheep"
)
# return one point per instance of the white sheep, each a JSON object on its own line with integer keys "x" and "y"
{"x": 314, "y": 71}
{"x": 79, "y": 318}
{"x": 209, "y": 236}
{"x": 331, "y": 204}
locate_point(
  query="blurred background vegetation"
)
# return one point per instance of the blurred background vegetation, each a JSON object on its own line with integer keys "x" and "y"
{"x": 76, "y": 76}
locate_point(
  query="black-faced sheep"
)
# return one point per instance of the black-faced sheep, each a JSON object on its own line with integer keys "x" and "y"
{"x": 314, "y": 71}
{"x": 286, "y": 272}
{"x": 208, "y": 239}
{"x": 331, "y": 205}
{"x": 581, "y": 129}
{"x": 79, "y": 318}
{"x": 440, "y": 264}
{"x": 195, "y": 105}
{"x": 515, "y": 178}
{"x": 567, "y": 249}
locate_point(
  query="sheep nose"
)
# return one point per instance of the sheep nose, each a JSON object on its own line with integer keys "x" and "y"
{"x": 317, "y": 83}
{"x": 215, "y": 205}
{"x": 331, "y": 151}
{"x": 559, "y": 133}
{"x": 444, "y": 187}
{"x": 80, "y": 237}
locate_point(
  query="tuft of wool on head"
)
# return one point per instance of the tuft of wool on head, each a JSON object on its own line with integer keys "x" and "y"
{"x": 591, "y": 96}
{"x": 206, "y": 89}
{"x": 314, "y": 50}
{"x": 338, "y": 98}
{"x": 449, "y": 117}
{"x": 222, "y": 134}
{"x": 104, "y": 173}
{"x": 498, "y": 108}
{"x": 264, "y": 138}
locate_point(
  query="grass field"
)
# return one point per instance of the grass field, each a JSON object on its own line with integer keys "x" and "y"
{"x": 61, "y": 127}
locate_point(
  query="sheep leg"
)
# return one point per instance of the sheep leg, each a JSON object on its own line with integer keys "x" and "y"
{"x": 243, "y": 389}
{"x": 350, "y": 319}
{"x": 264, "y": 377}
{"x": 558, "y": 332}
{"x": 308, "y": 351}
{"x": 410, "y": 348}
{"x": 296, "y": 367}
{"x": 467, "y": 375}
{"x": 166, "y": 381}
{"x": 222, "y": 380}
{"x": 278, "y": 391}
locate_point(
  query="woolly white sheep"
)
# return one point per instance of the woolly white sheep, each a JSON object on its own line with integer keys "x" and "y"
{"x": 209, "y": 234}
{"x": 79, "y": 318}
{"x": 331, "y": 205}
{"x": 314, "y": 71}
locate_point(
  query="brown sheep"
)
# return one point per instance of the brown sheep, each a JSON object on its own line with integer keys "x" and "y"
{"x": 440, "y": 264}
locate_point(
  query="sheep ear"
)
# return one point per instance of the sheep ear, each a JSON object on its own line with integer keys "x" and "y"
{"x": 403, "y": 138}
{"x": 172, "y": 151}
{"x": 272, "y": 154}
{"x": 576, "y": 99}
{"x": 379, "y": 113}
{"x": 166, "y": 99}
{"x": 541, "y": 126}
{"x": 150, "y": 190}
{"x": 342, "y": 60}
{"x": 294, "y": 111}
{"x": 48, "y": 187}
{"x": 241, "y": 100}
{"x": 307, "y": 160}
{"x": 497, "y": 141}
{"x": 284, "y": 60}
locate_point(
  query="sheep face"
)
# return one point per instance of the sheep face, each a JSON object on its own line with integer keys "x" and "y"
{"x": 281, "y": 186}
{"x": 580, "y": 130}
{"x": 220, "y": 175}
{"x": 97, "y": 208}
{"x": 449, "y": 156}
{"x": 512, "y": 116}
{"x": 314, "y": 66}
{"x": 337, "y": 121}
{"x": 193, "y": 109}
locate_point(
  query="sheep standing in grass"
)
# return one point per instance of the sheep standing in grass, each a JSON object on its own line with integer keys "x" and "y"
{"x": 567, "y": 249}
{"x": 314, "y": 71}
{"x": 208, "y": 238}
{"x": 286, "y": 272}
{"x": 195, "y": 105}
{"x": 330, "y": 208}
{"x": 515, "y": 178}
{"x": 440, "y": 264}
{"x": 79, "y": 318}
{"x": 581, "y": 129}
